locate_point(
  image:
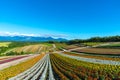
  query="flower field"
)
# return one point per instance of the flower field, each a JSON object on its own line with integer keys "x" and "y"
{"x": 42, "y": 70}
{"x": 54, "y": 64}
{"x": 96, "y": 57}
{"x": 14, "y": 70}
{"x": 70, "y": 69}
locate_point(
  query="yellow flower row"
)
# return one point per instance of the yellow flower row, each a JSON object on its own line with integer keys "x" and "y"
{"x": 103, "y": 69}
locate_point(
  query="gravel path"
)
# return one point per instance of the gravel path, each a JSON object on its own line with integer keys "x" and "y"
{"x": 92, "y": 60}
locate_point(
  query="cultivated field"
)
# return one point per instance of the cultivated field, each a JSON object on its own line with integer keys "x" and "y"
{"x": 14, "y": 70}
{"x": 30, "y": 48}
{"x": 111, "y": 45}
{"x": 92, "y": 56}
{"x": 99, "y": 51}
{"x": 4, "y": 44}
{"x": 66, "y": 68}
{"x": 51, "y": 63}
{"x": 71, "y": 47}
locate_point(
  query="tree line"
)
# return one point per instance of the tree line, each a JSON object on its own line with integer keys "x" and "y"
{"x": 96, "y": 39}
{"x": 92, "y": 39}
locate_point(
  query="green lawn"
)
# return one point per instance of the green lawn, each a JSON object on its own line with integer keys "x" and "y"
{"x": 111, "y": 45}
{"x": 4, "y": 44}
{"x": 92, "y": 43}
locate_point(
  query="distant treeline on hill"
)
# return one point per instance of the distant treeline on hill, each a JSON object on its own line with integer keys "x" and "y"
{"x": 96, "y": 39}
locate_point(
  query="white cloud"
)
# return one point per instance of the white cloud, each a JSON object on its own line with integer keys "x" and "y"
{"x": 14, "y": 34}
{"x": 34, "y": 35}
{"x": 54, "y": 35}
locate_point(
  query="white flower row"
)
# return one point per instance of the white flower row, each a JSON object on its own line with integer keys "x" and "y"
{"x": 21, "y": 76}
{"x": 51, "y": 76}
{"x": 38, "y": 71}
{"x": 92, "y": 60}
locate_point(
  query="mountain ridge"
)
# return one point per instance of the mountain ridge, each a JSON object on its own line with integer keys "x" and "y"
{"x": 30, "y": 38}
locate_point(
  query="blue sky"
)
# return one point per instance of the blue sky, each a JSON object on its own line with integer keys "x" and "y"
{"x": 60, "y": 18}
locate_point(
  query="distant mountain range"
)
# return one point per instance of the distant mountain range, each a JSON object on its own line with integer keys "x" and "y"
{"x": 29, "y": 38}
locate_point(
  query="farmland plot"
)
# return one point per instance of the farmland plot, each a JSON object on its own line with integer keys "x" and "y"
{"x": 17, "y": 69}
{"x": 42, "y": 70}
{"x": 66, "y": 68}
{"x": 59, "y": 65}
{"x": 4, "y": 44}
{"x": 112, "y": 58}
{"x": 28, "y": 49}
{"x": 92, "y": 60}
{"x": 101, "y": 51}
